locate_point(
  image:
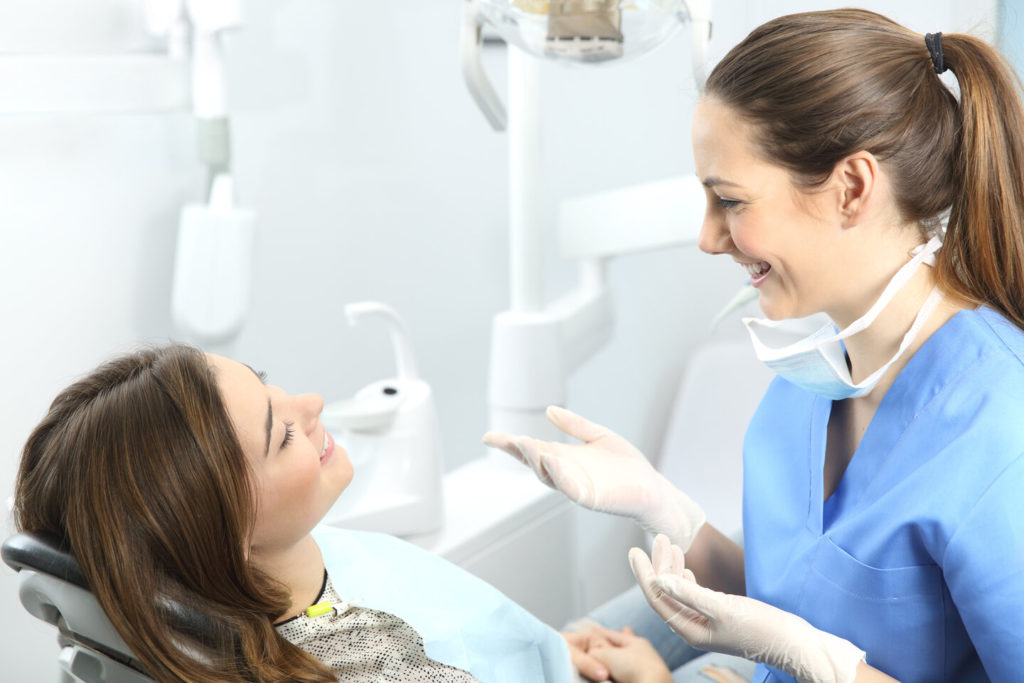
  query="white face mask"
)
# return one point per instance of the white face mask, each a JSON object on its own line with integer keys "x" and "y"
{"x": 817, "y": 362}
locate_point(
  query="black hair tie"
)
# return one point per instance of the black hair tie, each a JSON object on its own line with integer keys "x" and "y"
{"x": 934, "y": 43}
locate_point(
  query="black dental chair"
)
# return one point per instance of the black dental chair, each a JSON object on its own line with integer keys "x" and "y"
{"x": 52, "y": 587}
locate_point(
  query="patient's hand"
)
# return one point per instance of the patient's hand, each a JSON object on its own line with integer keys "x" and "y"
{"x": 580, "y": 643}
{"x": 630, "y": 658}
{"x": 601, "y": 654}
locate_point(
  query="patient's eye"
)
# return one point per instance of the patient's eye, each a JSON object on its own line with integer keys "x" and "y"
{"x": 727, "y": 204}
{"x": 289, "y": 432}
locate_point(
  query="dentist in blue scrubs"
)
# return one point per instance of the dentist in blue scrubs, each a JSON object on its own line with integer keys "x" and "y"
{"x": 884, "y": 469}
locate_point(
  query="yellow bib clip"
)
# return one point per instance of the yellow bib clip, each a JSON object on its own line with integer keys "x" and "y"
{"x": 319, "y": 609}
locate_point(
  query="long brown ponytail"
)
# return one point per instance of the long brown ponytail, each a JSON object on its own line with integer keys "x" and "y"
{"x": 819, "y": 86}
{"x": 983, "y": 255}
{"x": 137, "y": 465}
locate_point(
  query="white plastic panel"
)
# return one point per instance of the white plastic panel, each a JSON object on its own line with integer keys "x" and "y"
{"x": 535, "y": 565}
{"x": 512, "y": 531}
{"x": 654, "y": 215}
{"x": 703, "y": 448}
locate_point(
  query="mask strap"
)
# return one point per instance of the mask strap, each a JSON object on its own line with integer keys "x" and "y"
{"x": 924, "y": 253}
{"x": 922, "y": 316}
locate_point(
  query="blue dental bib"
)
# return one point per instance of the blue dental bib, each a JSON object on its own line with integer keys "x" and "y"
{"x": 464, "y": 621}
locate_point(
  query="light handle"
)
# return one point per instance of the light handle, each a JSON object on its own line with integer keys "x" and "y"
{"x": 479, "y": 85}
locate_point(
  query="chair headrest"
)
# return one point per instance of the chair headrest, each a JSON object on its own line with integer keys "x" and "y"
{"x": 51, "y": 554}
{"x": 43, "y": 552}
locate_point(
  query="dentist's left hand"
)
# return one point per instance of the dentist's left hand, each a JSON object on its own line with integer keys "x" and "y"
{"x": 738, "y": 625}
{"x": 606, "y": 473}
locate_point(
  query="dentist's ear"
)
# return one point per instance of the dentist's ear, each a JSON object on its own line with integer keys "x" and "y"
{"x": 857, "y": 176}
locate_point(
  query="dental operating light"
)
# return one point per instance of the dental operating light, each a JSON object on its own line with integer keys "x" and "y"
{"x": 585, "y": 30}
{"x": 582, "y": 32}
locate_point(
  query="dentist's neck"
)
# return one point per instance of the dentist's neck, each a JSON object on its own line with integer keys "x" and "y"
{"x": 877, "y": 253}
{"x": 871, "y": 348}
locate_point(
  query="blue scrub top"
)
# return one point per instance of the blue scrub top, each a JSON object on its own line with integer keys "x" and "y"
{"x": 918, "y": 556}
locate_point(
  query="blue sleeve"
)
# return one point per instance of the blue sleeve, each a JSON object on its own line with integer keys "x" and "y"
{"x": 984, "y": 571}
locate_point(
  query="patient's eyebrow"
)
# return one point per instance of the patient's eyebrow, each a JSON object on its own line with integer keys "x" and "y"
{"x": 261, "y": 376}
{"x": 270, "y": 424}
{"x": 712, "y": 181}
{"x": 270, "y": 411}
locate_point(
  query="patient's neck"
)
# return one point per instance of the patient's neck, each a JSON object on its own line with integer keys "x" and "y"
{"x": 300, "y": 568}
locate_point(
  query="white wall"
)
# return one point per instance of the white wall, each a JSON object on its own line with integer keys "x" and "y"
{"x": 374, "y": 177}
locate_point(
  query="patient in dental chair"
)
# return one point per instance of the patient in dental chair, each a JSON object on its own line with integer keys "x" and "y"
{"x": 177, "y": 475}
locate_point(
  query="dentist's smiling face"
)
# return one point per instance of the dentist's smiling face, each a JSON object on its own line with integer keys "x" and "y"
{"x": 784, "y": 238}
{"x": 299, "y": 471}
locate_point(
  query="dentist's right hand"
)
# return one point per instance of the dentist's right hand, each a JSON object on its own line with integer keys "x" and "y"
{"x": 606, "y": 473}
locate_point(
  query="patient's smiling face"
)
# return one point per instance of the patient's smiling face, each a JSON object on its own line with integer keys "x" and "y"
{"x": 298, "y": 470}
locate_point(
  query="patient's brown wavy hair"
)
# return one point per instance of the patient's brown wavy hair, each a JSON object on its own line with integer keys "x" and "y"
{"x": 138, "y": 466}
{"x": 819, "y": 86}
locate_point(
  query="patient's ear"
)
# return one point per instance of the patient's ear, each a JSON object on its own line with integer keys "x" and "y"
{"x": 856, "y": 177}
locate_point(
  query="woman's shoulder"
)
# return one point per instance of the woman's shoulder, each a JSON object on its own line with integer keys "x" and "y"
{"x": 1004, "y": 330}
{"x": 1000, "y": 334}
{"x": 991, "y": 350}
{"x": 995, "y": 371}
{"x": 977, "y": 353}
{"x": 974, "y": 408}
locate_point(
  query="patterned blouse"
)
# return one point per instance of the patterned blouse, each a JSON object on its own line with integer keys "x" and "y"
{"x": 360, "y": 644}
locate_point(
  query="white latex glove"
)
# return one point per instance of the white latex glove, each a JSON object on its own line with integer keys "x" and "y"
{"x": 606, "y": 473}
{"x": 737, "y": 625}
